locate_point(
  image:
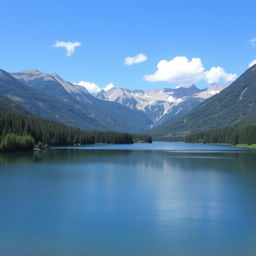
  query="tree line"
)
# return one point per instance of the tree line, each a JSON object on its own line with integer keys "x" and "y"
{"x": 21, "y": 130}
{"x": 233, "y": 136}
{"x": 144, "y": 138}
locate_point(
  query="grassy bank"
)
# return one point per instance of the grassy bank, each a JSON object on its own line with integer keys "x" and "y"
{"x": 246, "y": 146}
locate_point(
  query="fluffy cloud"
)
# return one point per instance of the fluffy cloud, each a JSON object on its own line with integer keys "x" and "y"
{"x": 182, "y": 71}
{"x": 108, "y": 87}
{"x": 252, "y": 63}
{"x": 135, "y": 59}
{"x": 69, "y": 46}
{"x": 90, "y": 87}
{"x": 218, "y": 74}
{"x": 253, "y": 41}
{"x": 94, "y": 88}
{"x": 178, "y": 70}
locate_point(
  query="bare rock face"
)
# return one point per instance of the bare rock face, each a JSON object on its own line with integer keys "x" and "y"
{"x": 163, "y": 104}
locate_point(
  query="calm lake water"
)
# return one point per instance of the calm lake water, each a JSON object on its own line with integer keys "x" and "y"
{"x": 164, "y": 199}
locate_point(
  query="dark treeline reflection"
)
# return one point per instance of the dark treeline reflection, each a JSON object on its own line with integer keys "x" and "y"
{"x": 162, "y": 160}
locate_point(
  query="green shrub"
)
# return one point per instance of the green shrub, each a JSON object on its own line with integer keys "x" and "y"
{"x": 12, "y": 143}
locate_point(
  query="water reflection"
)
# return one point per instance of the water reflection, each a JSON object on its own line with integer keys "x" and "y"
{"x": 127, "y": 202}
{"x": 144, "y": 159}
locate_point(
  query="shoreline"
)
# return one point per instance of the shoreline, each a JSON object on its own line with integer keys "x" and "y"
{"x": 252, "y": 146}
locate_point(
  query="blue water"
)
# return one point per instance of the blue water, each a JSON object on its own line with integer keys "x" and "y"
{"x": 144, "y": 199}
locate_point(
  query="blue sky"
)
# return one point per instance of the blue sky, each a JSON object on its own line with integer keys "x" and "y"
{"x": 218, "y": 33}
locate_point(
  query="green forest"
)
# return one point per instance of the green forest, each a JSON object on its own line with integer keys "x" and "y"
{"x": 22, "y": 132}
{"x": 234, "y": 136}
{"x": 143, "y": 138}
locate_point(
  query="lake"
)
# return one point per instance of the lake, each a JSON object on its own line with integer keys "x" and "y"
{"x": 161, "y": 199}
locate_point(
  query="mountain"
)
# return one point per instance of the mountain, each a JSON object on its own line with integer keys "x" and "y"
{"x": 52, "y": 84}
{"x": 101, "y": 115}
{"x": 41, "y": 104}
{"x": 7, "y": 105}
{"x": 51, "y": 97}
{"x": 20, "y": 131}
{"x": 161, "y": 105}
{"x": 233, "y": 107}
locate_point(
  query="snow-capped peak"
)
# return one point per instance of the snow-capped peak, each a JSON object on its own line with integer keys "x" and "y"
{"x": 210, "y": 91}
{"x": 158, "y": 103}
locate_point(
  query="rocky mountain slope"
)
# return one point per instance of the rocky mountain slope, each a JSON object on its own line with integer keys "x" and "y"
{"x": 50, "y": 97}
{"x": 161, "y": 105}
{"x": 235, "y": 106}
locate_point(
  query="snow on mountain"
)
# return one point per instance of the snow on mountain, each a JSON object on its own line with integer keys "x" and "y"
{"x": 157, "y": 105}
{"x": 104, "y": 115}
{"x": 161, "y": 103}
{"x": 210, "y": 91}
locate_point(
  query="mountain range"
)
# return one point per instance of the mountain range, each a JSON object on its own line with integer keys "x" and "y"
{"x": 161, "y": 105}
{"x": 51, "y": 97}
{"x": 164, "y": 112}
{"x": 235, "y": 106}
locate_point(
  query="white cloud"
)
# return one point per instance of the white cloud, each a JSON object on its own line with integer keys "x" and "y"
{"x": 180, "y": 70}
{"x": 90, "y": 87}
{"x": 135, "y": 59}
{"x": 253, "y": 41}
{"x": 94, "y": 88}
{"x": 252, "y": 63}
{"x": 69, "y": 46}
{"x": 108, "y": 87}
{"x": 218, "y": 74}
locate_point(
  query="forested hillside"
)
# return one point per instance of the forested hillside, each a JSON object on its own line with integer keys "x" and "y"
{"x": 18, "y": 126}
{"x": 234, "y": 136}
{"x": 40, "y": 104}
{"x": 81, "y": 109}
{"x": 233, "y": 107}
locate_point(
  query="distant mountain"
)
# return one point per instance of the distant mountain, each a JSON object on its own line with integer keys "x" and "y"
{"x": 51, "y": 97}
{"x": 101, "y": 115}
{"x": 161, "y": 105}
{"x": 41, "y": 104}
{"x": 233, "y": 107}
{"x": 52, "y": 84}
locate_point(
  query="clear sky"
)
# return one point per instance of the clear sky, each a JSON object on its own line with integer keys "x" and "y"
{"x": 216, "y": 33}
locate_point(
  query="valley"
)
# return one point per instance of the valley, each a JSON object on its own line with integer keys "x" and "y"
{"x": 51, "y": 97}
{"x": 164, "y": 114}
